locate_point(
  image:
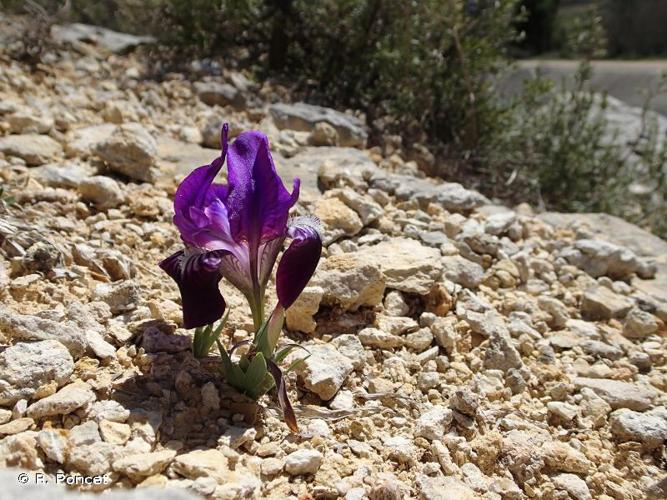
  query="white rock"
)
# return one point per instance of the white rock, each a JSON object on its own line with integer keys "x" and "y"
{"x": 563, "y": 411}
{"x": 27, "y": 327}
{"x": 102, "y": 191}
{"x": 394, "y": 304}
{"x": 114, "y": 432}
{"x": 350, "y": 347}
{"x": 141, "y": 465}
{"x": 619, "y": 394}
{"x": 54, "y": 443}
{"x": 303, "y": 117}
{"x": 573, "y": 484}
{"x": 324, "y": 371}
{"x": 399, "y": 448}
{"x": 373, "y": 337}
{"x": 94, "y": 459}
{"x": 131, "y": 151}
{"x": 300, "y": 314}
{"x": 649, "y": 428}
{"x": 460, "y": 270}
{"x": 303, "y": 461}
{"x": 420, "y": 340}
{"x": 100, "y": 347}
{"x": 25, "y": 367}
{"x": 434, "y": 423}
{"x": 108, "y": 410}
{"x": 83, "y": 142}
{"x": 65, "y": 401}
{"x": 84, "y": 433}
{"x": 406, "y": 264}
{"x": 120, "y": 297}
{"x": 639, "y": 324}
{"x": 349, "y": 281}
{"x": 368, "y": 210}
{"x": 33, "y": 148}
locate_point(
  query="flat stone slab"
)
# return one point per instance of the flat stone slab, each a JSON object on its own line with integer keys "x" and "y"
{"x": 619, "y": 394}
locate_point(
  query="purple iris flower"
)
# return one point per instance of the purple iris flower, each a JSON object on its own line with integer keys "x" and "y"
{"x": 236, "y": 231}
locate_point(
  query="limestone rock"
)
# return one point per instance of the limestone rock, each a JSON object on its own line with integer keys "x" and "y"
{"x": 649, "y": 428}
{"x": 323, "y": 134}
{"x": 102, "y": 191}
{"x": 601, "y": 258}
{"x": 25, "y": 367}
{"x": 303, "y": 117}
{"x": 131, "y": 151}
{"x": 639, "y": 324}
{"x": 602, "y": 303}
{"x": 120, "y": 297}
{"x": 450, "y": 195}
{"x": 83, "y": 142}
{"x": 406, "y": 264}
{"x": 573, "y": 484}
{"x": 112, "y": 41}
{"x": 141, "y": 465}
{"x": 444, "y": 488}
{"x": 219, "y": 94}
{"x": 34, "y": 149}
{"x": 349, "y": 281}
{"x": 55, "y": 444}
{"x": 324, "y": 371}
{"x": 65, "y": 401}
{"x": 338, "y": 219}
{"x": 114, "y": 432}
{"x": 299, "y": 316}
{"x": 619, "y": 394}
{"x": 93, "y": 459}
{"x": 373, "y": 337}
{"x": 201, "y": 463}
{"x": 434, "y": 423}
{"x": 303, "y": 461}
{"x": 460, "y": 270}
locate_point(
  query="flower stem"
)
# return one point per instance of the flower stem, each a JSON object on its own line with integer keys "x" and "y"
{"x": 256, "y": 300}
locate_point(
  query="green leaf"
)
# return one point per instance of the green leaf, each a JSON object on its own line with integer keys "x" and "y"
{"x": 256, "y": 371}
{"x": 260, "y": 337}
{"x": 282, "y": 354}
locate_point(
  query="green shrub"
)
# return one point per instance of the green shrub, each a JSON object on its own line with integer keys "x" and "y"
{"x": 561, "y": 152}
{"x": 425, "y": 71}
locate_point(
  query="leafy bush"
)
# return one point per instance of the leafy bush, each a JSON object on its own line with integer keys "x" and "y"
{"x": 425, "y": 71}
{"x": 561, "y": 151}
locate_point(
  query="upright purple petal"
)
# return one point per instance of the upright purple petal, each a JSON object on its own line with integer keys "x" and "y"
{"x": 194, "y": 189}
{"x": 298, "y": 262}
{"x": 258, "y": 203}
{"x": 197, "y": 277}
{"x": 199, "y": 210}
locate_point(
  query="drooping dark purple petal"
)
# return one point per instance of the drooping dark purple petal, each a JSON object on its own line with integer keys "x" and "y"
{"x": 299, "y": 261}
{"x": 197, "y": 276}
{"x": 283, "y": 399}
{"x": 257, "y": 201}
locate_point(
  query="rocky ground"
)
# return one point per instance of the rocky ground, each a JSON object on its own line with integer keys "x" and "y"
{"x": 460, "y": 349}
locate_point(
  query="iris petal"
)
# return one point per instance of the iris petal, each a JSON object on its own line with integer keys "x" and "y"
{"x": 197, "y": 276}
{"x": 258, "y": 203}
{"x": 299, "y": 261}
